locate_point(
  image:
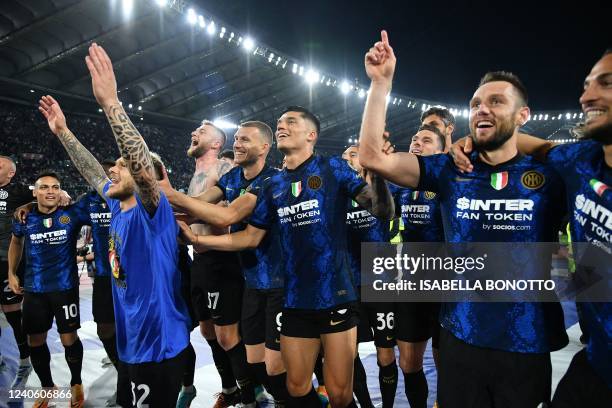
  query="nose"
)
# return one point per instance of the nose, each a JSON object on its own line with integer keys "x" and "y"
{"x": 589, "y": 95}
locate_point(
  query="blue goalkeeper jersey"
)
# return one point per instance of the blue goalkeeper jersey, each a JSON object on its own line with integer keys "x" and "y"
{"x": 309, "y": 206}
{"x": 517, "y": 201}
{"x": 420, "y": 214}
{"x": 261, "y": 266}
{"x": 100, "y": 220}
{"x": 50, "y": 248}
{"x": 151, "y": 319}
{"x": 588, "y": 181}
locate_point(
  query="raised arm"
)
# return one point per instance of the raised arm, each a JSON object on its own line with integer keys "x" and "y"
{"x": 400, "y": 168}
{"x": 248, "y": 238}
{"x": 14, "y": 258}
{"x": 83, "y": 160}
{"x": 376, "y": 198}
{"x": 132, "y": 146}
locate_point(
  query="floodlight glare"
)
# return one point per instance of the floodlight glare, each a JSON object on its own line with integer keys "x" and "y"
{"x": 191, "y": 16}
{"x": 248, "y": 43}
{"x": 345, "y": 87}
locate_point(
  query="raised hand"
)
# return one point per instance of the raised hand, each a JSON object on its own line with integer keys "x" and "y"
{"x": 53, "y": 113}
{"x": 380, "y": 60}
{"x": 103, "y": 79}
{"x": 460, "y": 151}
{"x": 164, "y": 184}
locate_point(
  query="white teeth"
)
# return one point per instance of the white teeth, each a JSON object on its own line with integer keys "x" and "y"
{"x": 594, "y": 113}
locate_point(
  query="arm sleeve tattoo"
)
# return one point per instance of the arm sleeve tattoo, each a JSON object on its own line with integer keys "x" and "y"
{"x": 84, "y": 161}
{"x": 136, "y": 154}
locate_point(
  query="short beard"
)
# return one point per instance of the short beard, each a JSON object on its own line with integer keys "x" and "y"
{"x": 503, "y": 134}
{"x": 196, "y": 151}
{"x": 601, "y": 134}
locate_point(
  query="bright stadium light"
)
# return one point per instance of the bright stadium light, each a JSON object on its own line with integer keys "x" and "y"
{"x": 139, "y": 107}
{"x": 224, "y": 124}
{"x": 201, "y": 21}
{"x": 568, "y": 116}
{"x": 546, "y": 117}
{"x": 127, "y": 6}
{"x": 312, "y": 76}
{"x": 161, "y": 3}
{"x": 130, "y": 106}
{"x": 301, "y": 71}
{"x": 465, "y": 113}
{"x": 191, "y": 16}
{"x": 248, "y": 44}
{"x": 211, "y": 29}
{"x": 295, "y": 68}
{"x": 345, "y": 87}
{"x": 580, "y": 116}
{"x": 361, "y": 93}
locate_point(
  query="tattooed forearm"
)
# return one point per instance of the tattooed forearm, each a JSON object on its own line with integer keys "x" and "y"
{"x": 84, "y": 161}
{"x": 136, "y": 154}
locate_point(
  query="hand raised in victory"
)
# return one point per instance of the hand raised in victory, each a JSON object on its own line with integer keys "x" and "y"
{"x": 53, "y": 113}
{"x": 103, "y": 79}
{"x": 380, "y": 60}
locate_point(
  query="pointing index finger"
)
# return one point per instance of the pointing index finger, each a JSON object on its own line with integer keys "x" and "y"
{"x": 384, "y": 37}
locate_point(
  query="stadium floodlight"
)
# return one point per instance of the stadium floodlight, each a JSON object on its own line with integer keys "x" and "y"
{"x": 100, "y": 110}
{"x": 127, "y": 6}
{"x": 31, "y": 91}
{"x": 312, "y": 76}
{"x": 270, "y": 57}
{"x": 361, "y": 93}
{"x": 295, "y": 68}
{"x": 568, "y": 116}
{"x": 224, "y": 124}
{"x": 161, "y": 3}
{"x": 301, "y": 70}
{"x": 130, "y": 106}
{"x": 191, "y": 16}
{"x": 248, "y": 43}
{"x": 580, "y": 116}
{"x": 139, "y": 107}
{"x": 466, "y": 113}
{"x": 574, "y": 117}
{"x": 546, "y": 117}
{"x": 328, "y": 83}
{"x": 345, "y": 87}
{"x": 211, "y": 29}
{"x": 201, "y": 21}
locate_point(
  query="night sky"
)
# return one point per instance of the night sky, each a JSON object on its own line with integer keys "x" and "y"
{"x": 442, "y": 48}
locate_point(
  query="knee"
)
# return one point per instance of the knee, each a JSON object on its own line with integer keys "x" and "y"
{"x": 208, "y": 330}
{"x": 274, "y": 366}
{"x": 227, "y": 340}
{"x": 385, "y": 356}
{"x": 410, "y": 363}
{"x": 298, "y": 388}
{"x": 37, "y": 340}
{"x": 68, "y": 339}
{"x": 105, "y": 331}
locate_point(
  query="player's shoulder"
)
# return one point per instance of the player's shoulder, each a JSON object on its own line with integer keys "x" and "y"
{"x": 570, "y": 153}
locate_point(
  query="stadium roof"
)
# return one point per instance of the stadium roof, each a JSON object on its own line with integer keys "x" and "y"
{"x": 177, "y": 66}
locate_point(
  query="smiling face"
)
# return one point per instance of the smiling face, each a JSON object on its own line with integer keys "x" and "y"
{"x": 249, "y": 146}
{"x": 47, "y": 192}
{"x": 495, "y": 114}
{"x": 294, "y": 132}
{"x": 425, "y": 143}
{"x": 122, "y": 183}
{"x": 596, "y": 101}
{"x": 203, "y": 139}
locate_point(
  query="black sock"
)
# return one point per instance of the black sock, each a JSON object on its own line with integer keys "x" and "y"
{"x": 278, "y": 389}
{"x": 74, "y": 358}
{"x": 110, "y": 346}
{"x": 190, "y": 362}
{"x": 360, "y": 385}
{"x": 318, "y": 370}
{"x": 237, "y": 356}
{"x": 310, "y": 400}
{"x": 41, "y": 362}
{"x": 14, "y": 319}
{"x": 222, "y": 362}
{"x": 259, "y": 374}
{"x": 415, "y": 385}
{"x": 387, "y": 379}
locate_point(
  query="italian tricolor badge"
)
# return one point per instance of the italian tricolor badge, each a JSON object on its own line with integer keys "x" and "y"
{"x": 499, "y": 180}
{"x": 48, "y": 222}
{"x": 598, "y": 186}
{"x": 296, "y": 188}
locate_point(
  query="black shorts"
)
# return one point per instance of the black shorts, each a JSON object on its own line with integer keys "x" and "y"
{"x": 262, "y": 312}
{"x": 581, "y": 386}
{"x": 8, "y": 297}
{"x": 417, "y": 321}
{"x": 40, "y": 308}
{"x": 184, "y": 265}
{"x": 155, "y": 385}
{"x": 376, "y": 322}
{"x": 470, "y": 376}
{"x": 216, "y": 287}
{"x": 102, "y": 300}
{"x": 311, "y": 324}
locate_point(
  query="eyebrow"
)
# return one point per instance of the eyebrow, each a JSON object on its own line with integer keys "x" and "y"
{"x": 598, "y": 78}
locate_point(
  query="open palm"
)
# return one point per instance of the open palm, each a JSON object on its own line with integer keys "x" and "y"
{"x": 53, "y": 113}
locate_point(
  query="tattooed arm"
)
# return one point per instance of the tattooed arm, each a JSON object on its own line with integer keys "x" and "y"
{"x": 132, "y": 146}
{"x": 83, "y": 160}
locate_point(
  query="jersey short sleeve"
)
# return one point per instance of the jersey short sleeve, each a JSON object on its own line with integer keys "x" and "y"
{"x": 348, "y": 179}
{"x": 18, "y": 228}
{"x": 263, "y": 214}
{"x": 431, "y": 168}
{"x": 224, "y": 181}
{"x": 563, "y": 157}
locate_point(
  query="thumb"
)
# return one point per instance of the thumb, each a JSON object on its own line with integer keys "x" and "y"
{"x": 468, "y": 145}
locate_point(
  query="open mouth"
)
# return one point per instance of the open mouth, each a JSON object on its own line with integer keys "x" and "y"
{"x": 484, "y": 124}
{"x": 594, "y": 114}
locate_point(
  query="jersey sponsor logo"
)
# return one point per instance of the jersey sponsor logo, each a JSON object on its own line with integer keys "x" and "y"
{"x": 48, "y": 222}
{"x": 601, "y": 217}
{"x": 100, "y": 216}
{"x": 305, "y": 212}
{"x": 598, "y": 187}
{"x": 495, "y": 210}
{"x": 315, "y": 182}
{"x": 499, "y": 180}
{"x": 64, "y": 220}
{"x": 3, "y": 194}
{"x": 51, "y": 237}
{"x": 296, "y": 188}
{"x": 532, "y": 179}
{"x": 429, "y": 195}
